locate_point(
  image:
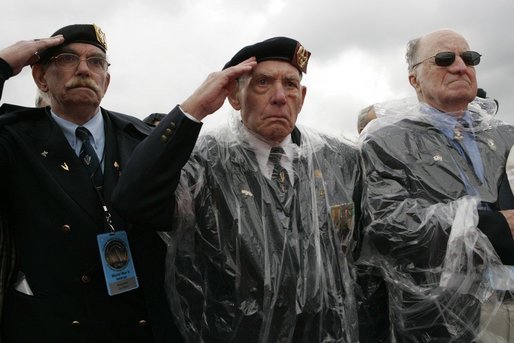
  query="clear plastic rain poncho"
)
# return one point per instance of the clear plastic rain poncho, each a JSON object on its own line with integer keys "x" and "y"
{"x": 244, "y": 266}
{"x": 420, "y": 207}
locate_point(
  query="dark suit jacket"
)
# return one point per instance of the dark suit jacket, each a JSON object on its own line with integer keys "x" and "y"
{"x": 414, "y": 176}
{"x": 495, "y": 225}
{"x": 505, "y": 195}
{"x": 54, "y": 215}
{"x": 241, "y": 232}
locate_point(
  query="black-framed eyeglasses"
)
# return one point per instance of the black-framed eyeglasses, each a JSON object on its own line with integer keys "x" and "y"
{"x": 71, "y": 61}
{"x": 446, "y": 58}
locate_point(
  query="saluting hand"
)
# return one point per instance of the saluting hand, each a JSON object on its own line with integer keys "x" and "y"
{"x": 25, "y": 52}
{"x": 209, "y": 97}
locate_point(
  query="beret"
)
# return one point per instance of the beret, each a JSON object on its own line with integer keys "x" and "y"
{"x": 77, "y": 33}
{"x": 276, "y": 48}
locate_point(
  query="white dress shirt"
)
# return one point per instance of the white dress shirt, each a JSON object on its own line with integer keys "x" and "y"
{"x": 262, "y": 150}
{"x": 95, "y": 125}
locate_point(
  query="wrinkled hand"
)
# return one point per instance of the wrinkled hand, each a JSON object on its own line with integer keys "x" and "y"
{"x": 209, "y": 97}
{"x": 509, "y": 216}
{"x": 24, "y": 52}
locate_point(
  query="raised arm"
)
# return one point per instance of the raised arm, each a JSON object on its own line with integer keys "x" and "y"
{"x": 23, "y": 53}
{"x": 145, "y": 192}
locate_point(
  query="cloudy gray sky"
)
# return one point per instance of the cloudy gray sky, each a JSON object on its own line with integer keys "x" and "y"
{"x": 161, "y": 50}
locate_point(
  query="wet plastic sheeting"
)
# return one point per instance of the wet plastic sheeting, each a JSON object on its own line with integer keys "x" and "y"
{"x": 420, "y": 205}
{"x": 251, "y": 265}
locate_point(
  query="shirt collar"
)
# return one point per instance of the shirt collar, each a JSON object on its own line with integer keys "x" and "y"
{"x": 95, "y": 125}
{"x": 262, "y": 150}
{"x": 442, "y": 121}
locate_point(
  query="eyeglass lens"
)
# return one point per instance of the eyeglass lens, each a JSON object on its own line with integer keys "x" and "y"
{"x": 444, "y": 59}
{"x": 67, "y": 60}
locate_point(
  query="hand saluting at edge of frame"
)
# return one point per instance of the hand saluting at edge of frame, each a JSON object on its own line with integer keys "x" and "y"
{"x": 26, "y": 52}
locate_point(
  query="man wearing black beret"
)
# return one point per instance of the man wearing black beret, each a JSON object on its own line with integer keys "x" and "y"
{"x": 71, "y": 269}
{"x": 258, "y": 214}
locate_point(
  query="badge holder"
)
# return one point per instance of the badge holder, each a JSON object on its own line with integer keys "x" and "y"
{"x": 120, "y": 274}
{"x": 117, "y": 263}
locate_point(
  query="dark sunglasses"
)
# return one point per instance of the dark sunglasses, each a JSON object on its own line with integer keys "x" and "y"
{"x": 445, "y": 59}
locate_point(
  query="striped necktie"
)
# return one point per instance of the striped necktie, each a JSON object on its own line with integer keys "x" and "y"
{"x": 279, "y": 174}
{"x": 88, "y": 156}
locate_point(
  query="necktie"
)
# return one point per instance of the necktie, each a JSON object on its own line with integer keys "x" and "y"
{"x": 279, "y": 174}
{"x": 88, "y": 156}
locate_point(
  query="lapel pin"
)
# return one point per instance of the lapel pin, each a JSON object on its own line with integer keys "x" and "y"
{"x": 65, "y": 166}
{"x": 457, "y": 135}
{"x": 44, "y": 153}
{"x": 438, "y": 158}
{"x": 491, "y": 144}
{"x": 117, "y": 168}
{"x": 246, "y": 193}
{"x": 87, "y": 159}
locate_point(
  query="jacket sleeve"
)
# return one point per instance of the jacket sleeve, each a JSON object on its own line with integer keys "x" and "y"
{"x": 6, "y": 243}
{"x": 494, "y": 225}
{"x": 145, "y": 191}
{"x": 5, "y": 73}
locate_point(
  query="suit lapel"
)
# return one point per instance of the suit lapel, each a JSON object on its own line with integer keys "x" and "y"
{"x": 111, "y": 163}
{"x": 60, "y": 161}
{"x": 119, "y": 144}
{"x": 243, "y": 163}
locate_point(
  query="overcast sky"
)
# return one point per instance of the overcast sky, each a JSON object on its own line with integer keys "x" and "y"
{"x": 161, "y": 50}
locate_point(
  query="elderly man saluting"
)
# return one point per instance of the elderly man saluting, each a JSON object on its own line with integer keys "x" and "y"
{"x": 432, "y": 174}
{"x": 75, "y": 275}
{"x": 259, "y": 213}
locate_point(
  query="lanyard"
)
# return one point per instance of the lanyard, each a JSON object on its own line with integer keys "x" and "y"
{"x": 105, "y": 209}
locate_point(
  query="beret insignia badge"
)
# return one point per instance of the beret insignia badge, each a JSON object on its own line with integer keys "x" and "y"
{"x": 100, "y": 36}
{"x": 302, "y": 57}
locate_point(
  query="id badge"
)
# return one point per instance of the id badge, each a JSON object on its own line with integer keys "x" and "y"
{"x": 120, "y": 274}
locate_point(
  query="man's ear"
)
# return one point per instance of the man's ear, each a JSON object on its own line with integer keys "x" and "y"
{"x": 413, "y": 80}
{"x": 38, "y": 74}
{"x": 233, "y": 99}
{"x": 304, "y": 93}
{"x": 107, "y": 82}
